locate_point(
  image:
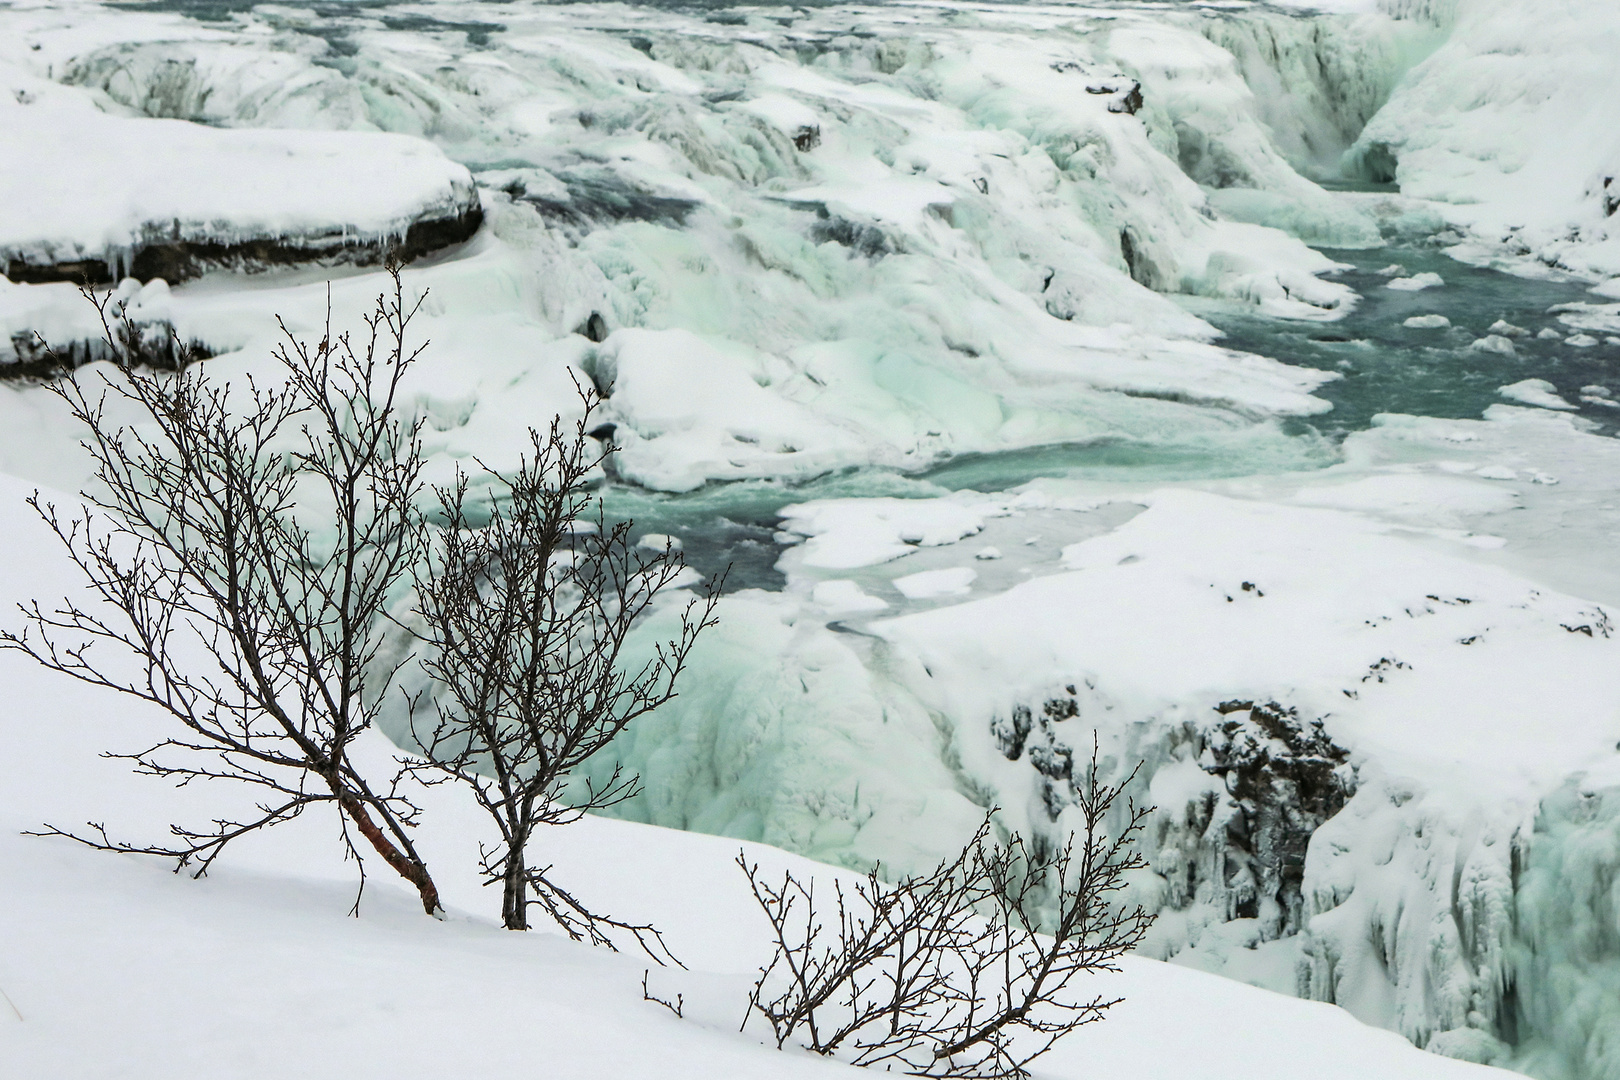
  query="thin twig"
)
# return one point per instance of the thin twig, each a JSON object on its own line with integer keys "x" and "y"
{"x": 13, "y": 1004}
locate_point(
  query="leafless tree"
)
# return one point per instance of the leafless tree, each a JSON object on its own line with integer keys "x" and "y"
{"x": 525, "y": 610}
{"x": 873, "y": 972}
{"x": 949, "y": 974}
{"x": 219, "y": 605}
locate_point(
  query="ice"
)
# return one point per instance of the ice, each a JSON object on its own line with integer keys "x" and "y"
{"x": 1416, "y": 283}
{"x": 1537, "y": 392}
{"x": 1427, "y": 322}
{"x": 960, "y": 258}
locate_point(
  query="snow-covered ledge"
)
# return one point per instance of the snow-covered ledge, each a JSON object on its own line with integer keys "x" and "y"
{"x": 100, "y": 197}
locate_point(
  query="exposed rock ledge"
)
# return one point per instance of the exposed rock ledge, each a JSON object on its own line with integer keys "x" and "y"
{"x": 99, "y": 197}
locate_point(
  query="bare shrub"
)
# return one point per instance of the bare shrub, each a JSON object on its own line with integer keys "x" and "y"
{"x": 525, "y": 620}
{"x": 949, "y": 974}
{"x": 255, "y": 633}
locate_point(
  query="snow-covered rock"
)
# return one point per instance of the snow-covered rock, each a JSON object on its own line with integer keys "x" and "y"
{"x": 1537, "y": 392}
{"x": 99, "y": 197}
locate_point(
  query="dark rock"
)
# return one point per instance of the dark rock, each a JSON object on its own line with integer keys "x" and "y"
{"x": 175, "y": 259}
{"x": 594, "y": 328}
{"x": 807, "y": 138}
{"x": 861, "y": 238}
{"x": 1010, "y": 735}
{"x": 152, "y": 345}
{"x": 1284, "y": 777}
{"x": 1127, "y": 95}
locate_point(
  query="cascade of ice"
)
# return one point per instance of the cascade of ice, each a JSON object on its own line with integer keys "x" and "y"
{"x": 1318, "y": 80}
{"x": 1565, "y": 959}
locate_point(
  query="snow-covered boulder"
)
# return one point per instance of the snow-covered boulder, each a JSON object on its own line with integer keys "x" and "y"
{"x": 95, "y": 196}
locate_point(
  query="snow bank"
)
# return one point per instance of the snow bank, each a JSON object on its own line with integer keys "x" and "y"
{"x": 105, "y": 196}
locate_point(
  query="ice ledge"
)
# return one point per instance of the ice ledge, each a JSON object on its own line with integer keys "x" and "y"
{"x": 195, "y": 252}
{"x": 99, "y": 197}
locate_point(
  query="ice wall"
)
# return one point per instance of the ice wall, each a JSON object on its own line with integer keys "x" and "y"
{"x": 1511, "y": 124}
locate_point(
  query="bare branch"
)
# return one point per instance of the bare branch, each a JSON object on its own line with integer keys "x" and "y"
{"x": 523, "y": 625}
{"x": 192, "y": 546}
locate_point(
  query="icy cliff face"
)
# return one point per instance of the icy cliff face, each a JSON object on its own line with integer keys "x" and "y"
{"x": 1511, "y": 123}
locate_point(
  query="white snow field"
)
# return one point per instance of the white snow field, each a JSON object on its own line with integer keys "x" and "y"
{"x": 817, "y": 258}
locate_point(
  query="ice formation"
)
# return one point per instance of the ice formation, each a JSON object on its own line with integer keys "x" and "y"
{"x": 834, "y": 247}
{"x": 166, "y": 199}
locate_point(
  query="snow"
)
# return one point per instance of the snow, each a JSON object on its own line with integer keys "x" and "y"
{"x": 1495, "y": 344}
{"x": 128, "y": 970}
{"x": 169, "y": 180}
{"x": 847, "y": 533}
{"x": 1537, "y": 392}
{"x": 1416, "y": 283}
{"x": 972, "y": 254}
{"x": 1509, "y": 125}
{"x": 1427, "y": 322}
